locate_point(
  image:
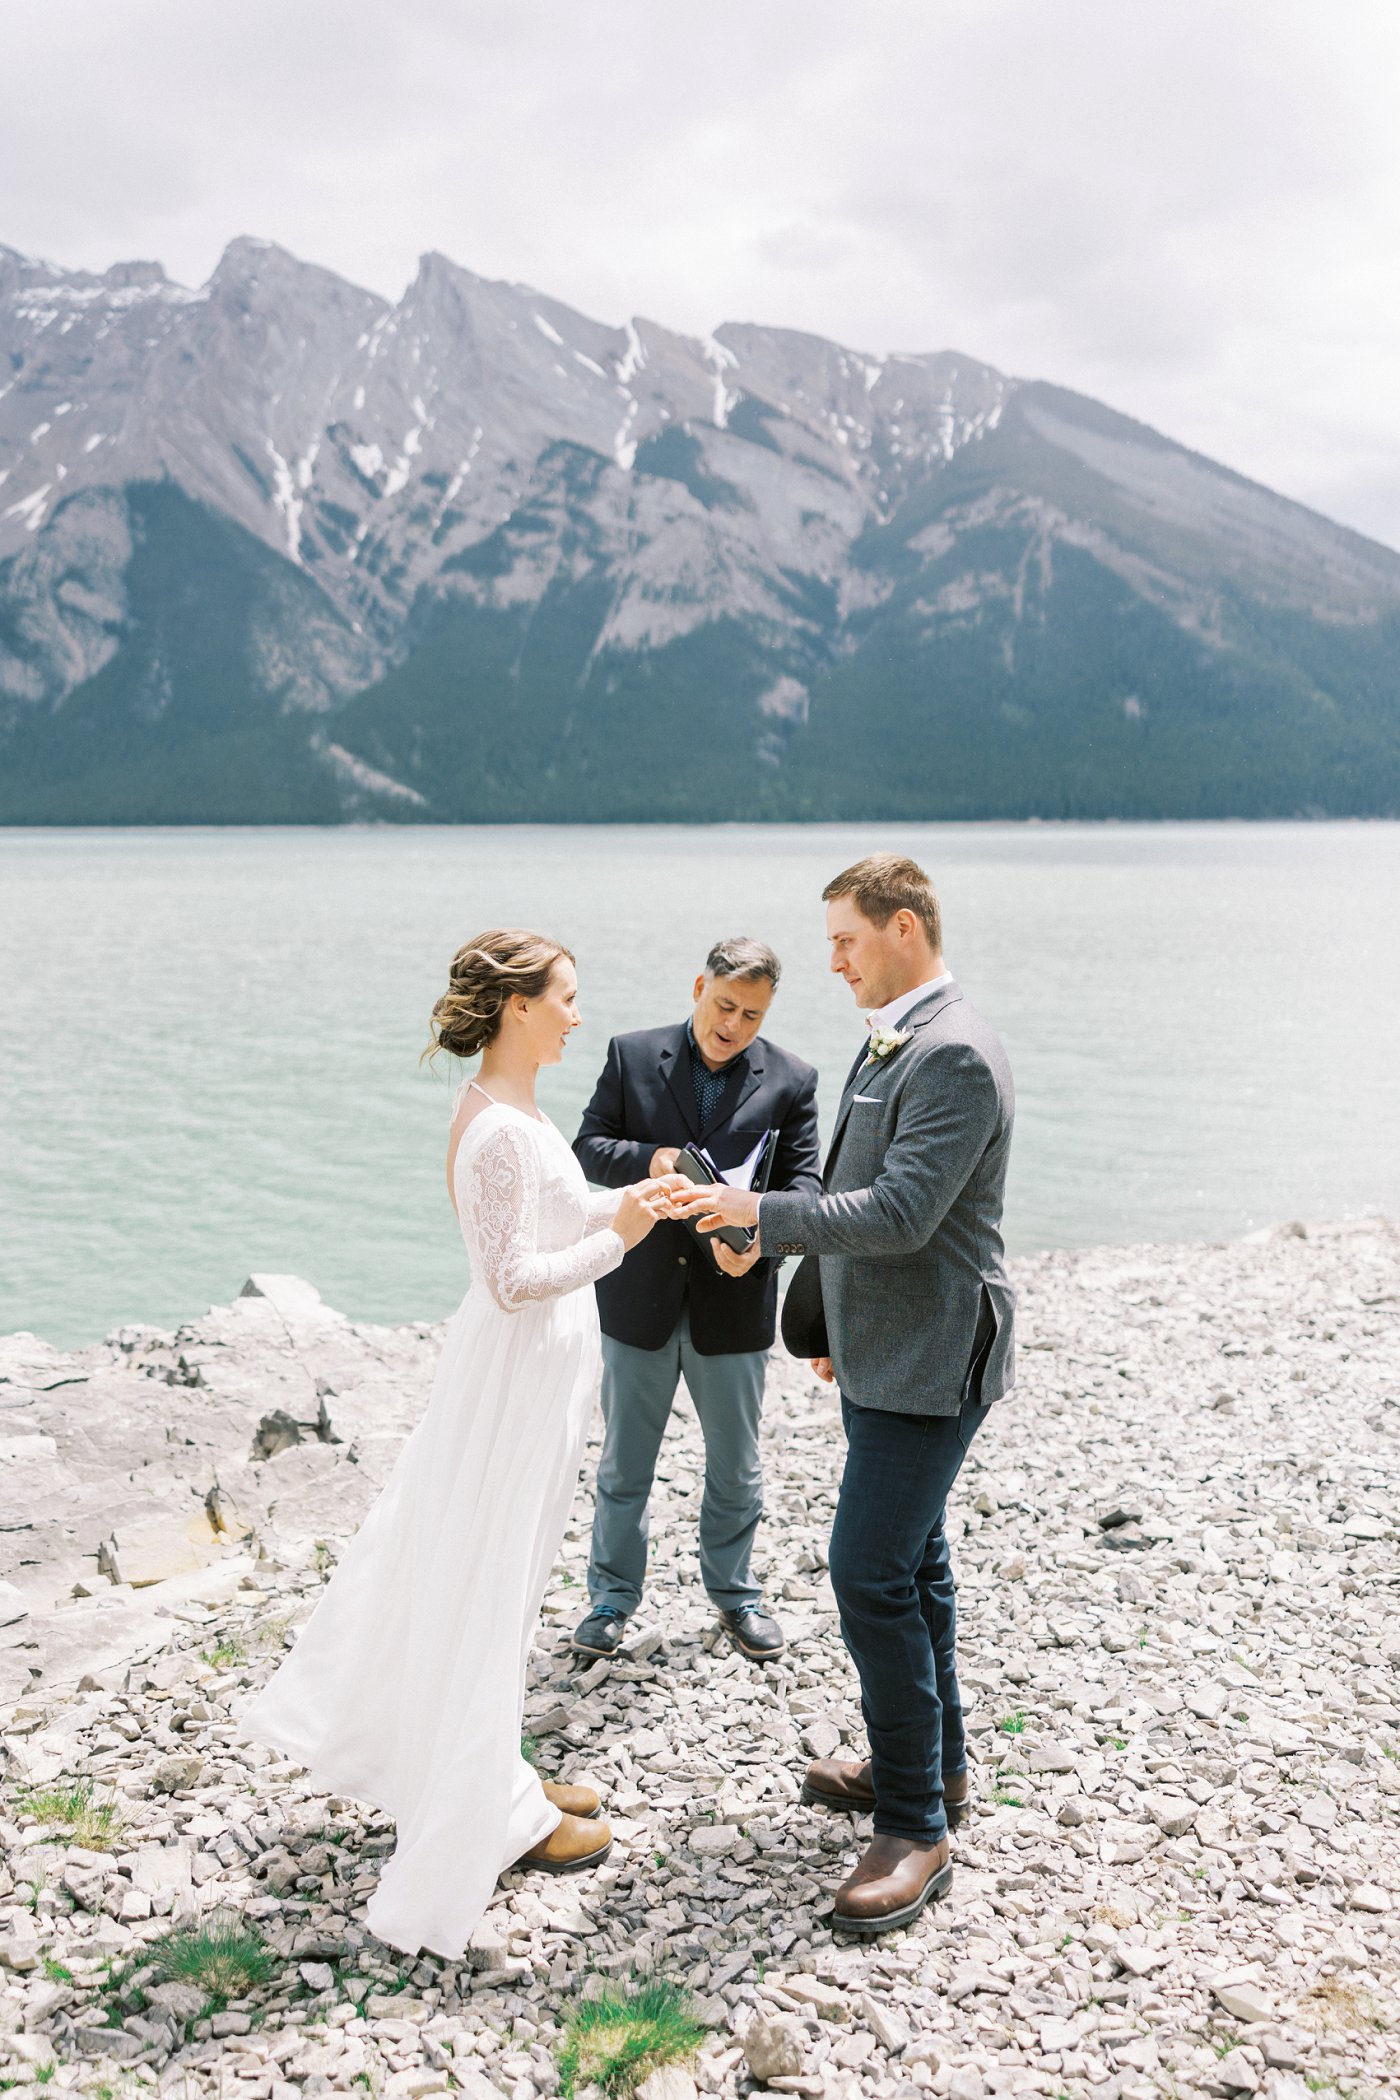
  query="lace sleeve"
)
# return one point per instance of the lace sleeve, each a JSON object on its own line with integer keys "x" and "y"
{"x": 602, "y": 1209}
{"x": 499, "y": 1190}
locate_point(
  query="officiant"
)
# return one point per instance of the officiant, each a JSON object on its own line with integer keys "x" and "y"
{"x": 681, "y": 1307}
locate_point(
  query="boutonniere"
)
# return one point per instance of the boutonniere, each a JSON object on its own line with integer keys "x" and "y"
{"x": 885, "y": 1041}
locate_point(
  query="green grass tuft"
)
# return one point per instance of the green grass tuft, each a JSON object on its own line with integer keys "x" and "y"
{"x": 615, "y": 2039}
{"x": 1012, "y": 1724}
{"x": 222, "y": 1957}
{"x": 225, "y": 1653}
{"x": 93, "y": 1824}
{"x": 530, "y": 1749}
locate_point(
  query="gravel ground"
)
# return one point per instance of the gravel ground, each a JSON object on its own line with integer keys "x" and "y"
{"x": 1178, "y": 1573}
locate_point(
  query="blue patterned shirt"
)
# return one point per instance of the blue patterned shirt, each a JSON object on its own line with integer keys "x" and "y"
{"x": 709, "y": 1086}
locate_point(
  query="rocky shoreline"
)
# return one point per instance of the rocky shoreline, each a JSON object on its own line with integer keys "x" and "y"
{"x": 1178, "y": 1573}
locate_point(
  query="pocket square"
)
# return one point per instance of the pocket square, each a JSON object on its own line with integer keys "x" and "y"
{"x": 874, "y": 1099}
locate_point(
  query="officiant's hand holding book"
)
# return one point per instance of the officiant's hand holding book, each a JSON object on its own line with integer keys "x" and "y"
{"x": 728, "y": 1262}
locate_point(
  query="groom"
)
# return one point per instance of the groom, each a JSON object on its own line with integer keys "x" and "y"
{"x": 914, "y": 1322}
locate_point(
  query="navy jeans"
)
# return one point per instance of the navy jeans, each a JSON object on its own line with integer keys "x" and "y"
{"x": 893, "y": 1579}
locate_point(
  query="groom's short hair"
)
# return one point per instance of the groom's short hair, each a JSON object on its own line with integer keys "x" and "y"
{"x": 742, "y": 956}
{"x": 884, "y": 883}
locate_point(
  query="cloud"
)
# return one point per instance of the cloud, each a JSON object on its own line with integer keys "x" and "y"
{"x": 1190, "y": 211}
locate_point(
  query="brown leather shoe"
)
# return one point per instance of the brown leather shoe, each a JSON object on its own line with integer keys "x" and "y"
{"x": 574, "y": 1843}
{"x": 834, "y": 1783}
{"x": 574, "y": 1800}
{"x": 890, "y": 1886}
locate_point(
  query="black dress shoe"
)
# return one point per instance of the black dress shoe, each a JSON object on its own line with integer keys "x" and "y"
{"x": 601, "y": 1632}
{"x": 753, "y": 1633}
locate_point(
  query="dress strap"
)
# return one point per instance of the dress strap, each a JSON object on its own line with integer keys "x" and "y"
{"x": 496, "y": 1102}
{"x": 463, "y": 1090}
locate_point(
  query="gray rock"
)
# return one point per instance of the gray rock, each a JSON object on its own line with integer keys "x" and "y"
{"x": 821, "y": 1998}
{"x": 712, "y": 1840}
{"x": 1237, "y": 2074}
{"x": 1114, "y": 1515}
{"x": 1054, "y": 1757}
{"x": 184, "y": 2000}
{"x": 110, "y": 2042}
{"x": 1242, "y": 1997}
{"x": 172, "y": 1775}
{"x": 890, "y": 2027}
{"x": 821, "y": 1738}
{"x": 967, "y": 2083}
{"x": 1172, "y": 1813}
{"x": 773, "y": 2049}
{"x": 667, "y": 2082}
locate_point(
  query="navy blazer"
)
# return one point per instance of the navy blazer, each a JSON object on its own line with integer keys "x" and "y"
{"x": 645, "y": 1097}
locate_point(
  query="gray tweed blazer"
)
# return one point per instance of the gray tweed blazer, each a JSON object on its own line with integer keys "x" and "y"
{"x": 908, "y": 1224}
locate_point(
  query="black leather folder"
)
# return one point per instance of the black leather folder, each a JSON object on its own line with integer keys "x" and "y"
{"x": 696, "y": 1164}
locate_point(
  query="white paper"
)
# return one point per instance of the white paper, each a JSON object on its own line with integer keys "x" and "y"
{"x": 740, "y": 1177}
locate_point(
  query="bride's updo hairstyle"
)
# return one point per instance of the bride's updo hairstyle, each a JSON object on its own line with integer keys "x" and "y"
{"x": 485, "y": 973}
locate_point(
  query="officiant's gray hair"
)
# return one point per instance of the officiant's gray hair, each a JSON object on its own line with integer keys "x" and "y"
{"x": 742, "y": 956}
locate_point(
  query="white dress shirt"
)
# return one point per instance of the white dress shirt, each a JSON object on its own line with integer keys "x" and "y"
{"x": 890, "y": 1016}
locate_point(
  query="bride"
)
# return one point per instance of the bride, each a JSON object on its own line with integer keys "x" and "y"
{"x": 406, "y": 1687}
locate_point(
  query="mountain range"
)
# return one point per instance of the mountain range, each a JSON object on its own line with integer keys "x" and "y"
{"x": 277, "y": 549}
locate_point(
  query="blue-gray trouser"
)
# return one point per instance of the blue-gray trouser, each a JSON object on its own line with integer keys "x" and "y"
{"x": 639, "y": 1388}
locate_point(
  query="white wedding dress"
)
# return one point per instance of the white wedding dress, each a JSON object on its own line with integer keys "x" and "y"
{"x": 406, "y": 1687}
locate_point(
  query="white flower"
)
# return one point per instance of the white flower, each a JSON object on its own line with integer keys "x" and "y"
{"x": 885, "y": 1041}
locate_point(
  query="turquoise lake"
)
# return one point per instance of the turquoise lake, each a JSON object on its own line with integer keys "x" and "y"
{"x": 209, "y": 1039}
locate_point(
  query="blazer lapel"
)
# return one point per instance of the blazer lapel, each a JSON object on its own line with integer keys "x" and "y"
{"x": 929, "y": 1009}
{"x": 746, "y": 1081}
{"x": 675, "y": 1069}
{"x": 918, "y": 1017}
{"x": 848, "y": 1094}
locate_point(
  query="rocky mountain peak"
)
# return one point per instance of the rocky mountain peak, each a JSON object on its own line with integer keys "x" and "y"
{"x": 581, "y": 502}
{"x": 121, "y": 275}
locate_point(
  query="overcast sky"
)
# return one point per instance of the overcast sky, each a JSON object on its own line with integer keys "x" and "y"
{"x": 1189, "y": 208}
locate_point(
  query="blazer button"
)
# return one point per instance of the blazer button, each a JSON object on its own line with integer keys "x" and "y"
{"x": 681, "y": 1259}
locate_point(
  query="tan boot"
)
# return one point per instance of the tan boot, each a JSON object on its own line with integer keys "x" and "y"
{"x": 574, "y": 1843}
{"x": 574, "y": 1800}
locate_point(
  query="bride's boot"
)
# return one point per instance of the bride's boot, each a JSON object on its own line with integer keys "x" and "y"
{"x": 574, "y": 1843}
{"x": 574, "y": 1800}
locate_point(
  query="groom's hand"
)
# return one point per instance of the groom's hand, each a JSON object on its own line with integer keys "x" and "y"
{"x": 822, "y": 1366}
{"x": 736, "y": 1264}
{"x": 716, "y": 1205}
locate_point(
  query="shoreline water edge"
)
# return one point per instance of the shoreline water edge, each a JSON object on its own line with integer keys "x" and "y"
{"x": 1178, "y": 1549}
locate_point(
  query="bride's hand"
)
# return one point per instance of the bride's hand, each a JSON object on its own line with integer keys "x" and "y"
{"x": 674, "y": 1185}
{"x": 642, "y": 1204}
